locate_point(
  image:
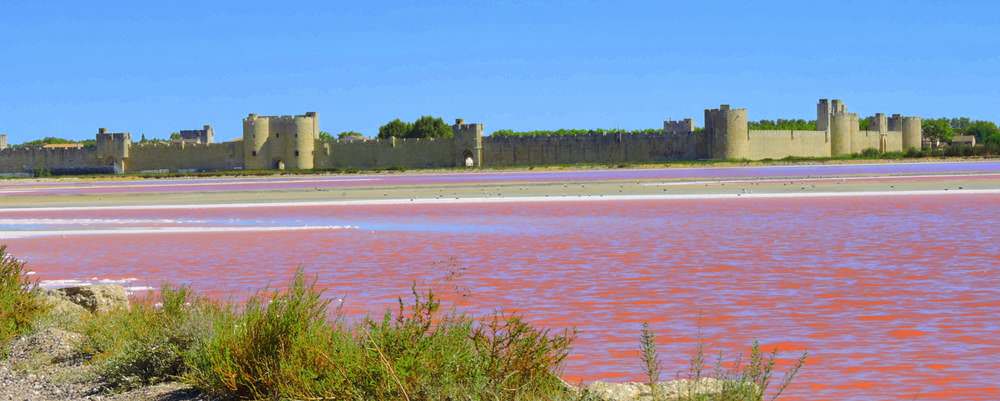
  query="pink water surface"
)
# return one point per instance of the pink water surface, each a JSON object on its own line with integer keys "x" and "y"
{"x": 895, "y": 298}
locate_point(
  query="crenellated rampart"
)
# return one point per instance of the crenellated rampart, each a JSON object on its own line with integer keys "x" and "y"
{"x": 185, "y": 156}
{"x": 293, "y": 142}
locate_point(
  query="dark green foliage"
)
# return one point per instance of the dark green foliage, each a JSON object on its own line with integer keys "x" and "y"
{"x": 939, "y": 128}
{"x": 283, "y": 347}
{"x": 49, "y": 140}
{"x": 350, "y": 135}
{"x": 430, "y": 127}
{"x": 20, "y": 304}
{"x": 571, "y": 132}
{"x": 781, "y": 124}
{"x": 985, "y": 131}
{"x": 278, "y": 343}
{"x": 146, "y": 343}
{"x": 424, "y": 127}
{"x": 960, "y": 124}
{"x": 870, "y": 153}
{"x": 396, "y": 128}
{"x": 325, "y": 136}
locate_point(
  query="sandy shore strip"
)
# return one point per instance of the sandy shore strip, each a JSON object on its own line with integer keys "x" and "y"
{"x": 162, "y": 230}
{"x": 516, "y": 199}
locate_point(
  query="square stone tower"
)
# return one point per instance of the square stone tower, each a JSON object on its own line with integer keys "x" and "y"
{"x": 3, "y": 141}
{"x": 468, "y": 140}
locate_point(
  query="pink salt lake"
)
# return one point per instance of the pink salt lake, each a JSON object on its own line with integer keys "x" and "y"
{"x": 894, "y": 297}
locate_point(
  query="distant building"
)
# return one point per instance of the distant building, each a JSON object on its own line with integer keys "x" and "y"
{"x": 3, "y": 141}
{"x": 204, "y": 135}
{"x": 968, "y": 140}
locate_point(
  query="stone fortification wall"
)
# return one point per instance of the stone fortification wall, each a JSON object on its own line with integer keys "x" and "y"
{"x": 888, "y": 141}
{"x": 779, "y": 144}
{"x": 279, "y": 142}
{"x": 382, "y": 154}
{"x": 174, "y": 156}
{"x": 54, "y": 161}
{"x": 592, "y": 148}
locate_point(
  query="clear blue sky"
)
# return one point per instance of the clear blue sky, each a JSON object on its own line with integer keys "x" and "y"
{"x": 67, "y": 68}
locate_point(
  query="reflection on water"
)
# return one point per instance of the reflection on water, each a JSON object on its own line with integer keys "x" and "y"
{"x": 894, "y": 297}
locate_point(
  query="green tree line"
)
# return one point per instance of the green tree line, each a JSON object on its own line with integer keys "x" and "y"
{"x": 423, "y": 127}
{"x": 783, "y": 125}
{"x": 945, "y": 129}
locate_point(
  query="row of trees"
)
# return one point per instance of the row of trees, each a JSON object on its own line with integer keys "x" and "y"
{"x": 326, "y": 136}
{"x": 51, "y": 140}
{"x": 423, "y": 127}
{"x": 781, "y": 124}
{"x": 945, "y": 129}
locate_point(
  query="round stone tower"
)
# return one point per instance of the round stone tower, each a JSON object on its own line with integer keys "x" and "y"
{"x": 730, "y": 133}
{"x": 912, "y": 133}
{"x": 301, "y": 156}
{"x": 840, "y": 133}
{"x": 255, "y": 134}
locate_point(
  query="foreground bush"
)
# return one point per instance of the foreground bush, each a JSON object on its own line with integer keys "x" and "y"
{"x": 20, "y": 303}
{"x": 740, "y": 380}
{"x": 283, "y": 347}
{"x": 147, "y": 343}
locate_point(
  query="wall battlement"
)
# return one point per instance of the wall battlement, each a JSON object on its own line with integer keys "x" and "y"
{"x": 684, "y": 126}
{"x": 292, "y": 142}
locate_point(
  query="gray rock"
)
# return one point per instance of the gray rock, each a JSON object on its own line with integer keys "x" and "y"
{"x": 61, "y": 306}
{"x": 95, "y": 298}
{"x": 50, "y": 345}
{"x": 640, "y": 391}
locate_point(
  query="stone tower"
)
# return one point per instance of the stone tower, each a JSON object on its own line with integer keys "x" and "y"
{"x": 880, "y": 123}
{"x": 3, "y": 141}
{"x": 280, "y": 142}
{"x": 896, "y": 122}
{"x": 468, "y": 142}
{"x": 728, "y": 132}
{"x": 113, "y": 148}
{"x": 842, "y": 126}
{"x": 823, "y": 115}
{"x": 912, "y": 133}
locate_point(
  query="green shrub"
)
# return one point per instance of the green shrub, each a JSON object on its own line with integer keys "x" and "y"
{"x": 751, "y": 380}
{"x": 282, "y": 346}
{"x": 20, "y": 304}
{"x": 914, "y": 153}
{"x": 147, "y": 343}
{"x": 650, "y": 359}
{"x": 870, "y": 153}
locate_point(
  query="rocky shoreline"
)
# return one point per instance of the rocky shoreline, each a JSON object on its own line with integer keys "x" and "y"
{"x": 47, "y": 365}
